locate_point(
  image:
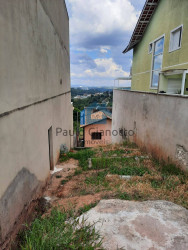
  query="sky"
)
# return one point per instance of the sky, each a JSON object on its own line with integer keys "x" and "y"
{"x": 99, "y": 32}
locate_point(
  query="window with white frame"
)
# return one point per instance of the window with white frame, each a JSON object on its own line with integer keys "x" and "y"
{"x": 157, "y": 61}
{"x": 175, "y": 39}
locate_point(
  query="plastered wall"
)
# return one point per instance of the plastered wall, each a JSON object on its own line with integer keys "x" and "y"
{"x": 158, "y": 121}
{"x": 34, "y": 95}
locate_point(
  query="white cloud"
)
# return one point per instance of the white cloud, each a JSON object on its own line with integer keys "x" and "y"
{"x": 99, "y": 29}
{"x": 92, "y": 18}
{"x": 104, "y": 50}
{"x": 105, "y": 68}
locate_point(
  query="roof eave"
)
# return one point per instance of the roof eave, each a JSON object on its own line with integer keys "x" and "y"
{"x": 138, "y": 37}
{"x": 85, "y": 125}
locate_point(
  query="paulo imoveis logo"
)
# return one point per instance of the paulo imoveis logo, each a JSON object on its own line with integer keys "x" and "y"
{"x": 105, "y": 132}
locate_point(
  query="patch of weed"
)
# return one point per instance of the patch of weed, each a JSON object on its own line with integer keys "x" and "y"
{"x": 81, "y": 155}
{"x": 101, "y": 163}
{"x": 78, "y": 172}
{"x": 115, "y": 153}
{"x": 171, "y": 184}
{"x": 137, "y": 171}
{"x": 64, "y": 157}
{"x": 128, "y": 151}
{"x": 69, "y": 177}
{"x": 129, "y": 144}
{"x": 97, "y": 178}
{"x": 137, "y": 196}
{"x": 86, "y": 208}
{"x": 124, "y": 196}
{"x": 183, "y": 178}
{"x": 63, "y": 182}
{"x": 171, "y": 169}
{"x": 58, "y": 176}
{"x": 168, "y": 169}
{"x": 85, "y": 192}
{"x": 156, "y": 184}
{"x": 120, "y": 166}
{"x": 59, "y": 231}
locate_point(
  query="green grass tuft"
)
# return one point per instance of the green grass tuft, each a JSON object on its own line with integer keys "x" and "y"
{"x": 63, "y": 182}
{"x": 171, "y": 169}
{"x": 114, "y": 153}
{"x": 86, "y": 208}
{"x": 97, "y": 178}
{"x": 129, "y": 144}
{"x": 82, "y": 156}
{"x": 124, "y": 196}
{"x": 58, "y": 176}
{"x": 156, "y": 184}
{"x": 120, "y": 166}
{"x": 60, "y": 231}
{"x": 78, "y": 172}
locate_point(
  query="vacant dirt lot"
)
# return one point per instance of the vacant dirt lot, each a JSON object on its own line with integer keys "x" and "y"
{"x": 115, "y": 171}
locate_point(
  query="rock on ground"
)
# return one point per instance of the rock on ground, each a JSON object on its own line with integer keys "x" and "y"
{"x": 145, "y": 225}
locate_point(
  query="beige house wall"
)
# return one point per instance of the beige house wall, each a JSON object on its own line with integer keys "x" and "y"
{"x": 34, "y": 95}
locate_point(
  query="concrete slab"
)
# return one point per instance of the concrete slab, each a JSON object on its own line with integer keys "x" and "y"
{"x": 146, "y": 225}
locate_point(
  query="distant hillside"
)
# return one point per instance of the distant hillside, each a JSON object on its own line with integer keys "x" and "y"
{"x": 79, "y": 104}
{"x": 92, "y": 91}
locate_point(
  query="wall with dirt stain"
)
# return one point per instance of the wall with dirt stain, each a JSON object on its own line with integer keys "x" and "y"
{"x": 34, "y": 96}
{"x": 159, "y": 123}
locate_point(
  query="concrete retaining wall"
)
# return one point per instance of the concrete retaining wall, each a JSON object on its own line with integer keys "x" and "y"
{"x": 34, "y": 95}
{"x": 159, "y": 122}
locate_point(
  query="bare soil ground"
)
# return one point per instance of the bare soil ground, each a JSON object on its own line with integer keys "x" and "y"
{"x": 110, "y": 174}
{"x": 75, "y": 186}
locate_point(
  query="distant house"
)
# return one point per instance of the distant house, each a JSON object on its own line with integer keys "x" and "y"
{"x": 97, "y": 94}
{"x": 85, "y": 96}
{"x": 96, "y": 121}
{"x": 82, "y": 96}
{"x": 160, "y": 48}
{"x": 77, "y": 97}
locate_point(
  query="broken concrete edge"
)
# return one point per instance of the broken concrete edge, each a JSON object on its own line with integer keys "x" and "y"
{"x": 121, "y": 157}
{"x": 182, "y": 156}
{"x": 25, "y": 215}
{"x": 123, "y": 177}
